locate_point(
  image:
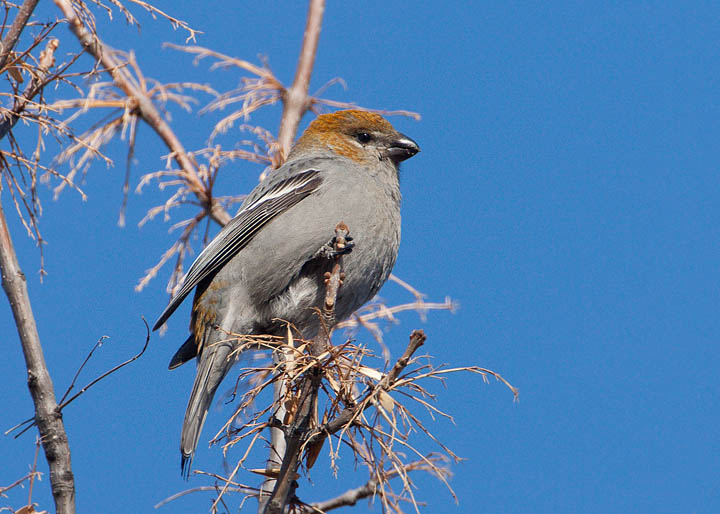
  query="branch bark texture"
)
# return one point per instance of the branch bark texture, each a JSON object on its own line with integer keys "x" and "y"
{"x": 296, "y": 100}
{"x": 11, "y": 38}
{"x": 49, "y": 421}
{"x": 347, "y": 499}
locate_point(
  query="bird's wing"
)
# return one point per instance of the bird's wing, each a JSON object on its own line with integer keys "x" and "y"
{"x": 258, "y": 211}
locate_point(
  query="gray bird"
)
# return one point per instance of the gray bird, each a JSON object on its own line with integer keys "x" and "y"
{"x": 269, "y": 261}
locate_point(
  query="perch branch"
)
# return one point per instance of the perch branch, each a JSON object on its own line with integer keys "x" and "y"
{"x": 295, "y": 103}
{"x": 301, "y": 427}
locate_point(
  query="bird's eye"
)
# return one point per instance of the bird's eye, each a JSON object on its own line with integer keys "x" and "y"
{"x": 364, "y": 137}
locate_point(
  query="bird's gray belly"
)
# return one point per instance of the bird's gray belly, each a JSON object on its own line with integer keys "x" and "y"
{"x": 278, "y": 276}
{"x": 364, "y": 273}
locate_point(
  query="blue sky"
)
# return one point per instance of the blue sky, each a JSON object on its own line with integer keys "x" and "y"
{"x": 565, "y": 196}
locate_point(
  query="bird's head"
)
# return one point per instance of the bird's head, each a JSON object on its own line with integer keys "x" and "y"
{"x": 362, "y": 136}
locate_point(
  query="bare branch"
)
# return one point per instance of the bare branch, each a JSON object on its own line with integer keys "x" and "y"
{"x": 244, "y": 489}
{"x": 11, "y": 38}
{"x": 47, "y": 59}
{"x": 370, "y": 488}
{"x": 347, "y": 499}
{"x": 417, "y": 339}
{"x": 49, "y": 422}
{"x": 296, "y": 99}
{"x": 173, "y": 21}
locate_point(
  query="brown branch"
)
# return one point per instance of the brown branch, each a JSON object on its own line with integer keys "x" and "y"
{"x": 333, "y": 281}
{"x": 297, "y": 434}
{"x": 296, "y": 101}
{"x": 31, "y": 476}
{"x": 17, "y": 482}
{"x": 65, "y": 402}
{"x": 49, "y": 421}
{"x": 370, "y": 488}
{"x": 47, "y": 59}
{"x": 11, "y": 38}
{"x": 245, "y": 490}
{"x": 145, "y": 108}
{"x": 347, "y": 499}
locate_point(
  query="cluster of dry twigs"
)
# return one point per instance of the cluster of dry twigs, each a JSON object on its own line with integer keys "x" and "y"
{"x": 356, "y": 408}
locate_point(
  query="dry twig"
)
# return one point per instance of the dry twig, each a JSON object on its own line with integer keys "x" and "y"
{"x": 332, "y": 399}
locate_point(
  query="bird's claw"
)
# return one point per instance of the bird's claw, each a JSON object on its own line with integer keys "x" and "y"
{"x": 330, "y": 250}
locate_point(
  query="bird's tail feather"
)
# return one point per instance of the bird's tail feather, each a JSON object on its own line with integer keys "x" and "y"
{"x": 213, "y": 364}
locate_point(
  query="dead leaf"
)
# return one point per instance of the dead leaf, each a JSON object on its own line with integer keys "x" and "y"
{"x": 270, "y": 473}
{"x": 371, "y": 373}
{"x": 386, "y": 401}
{"x": 14, "y": 71}
{"x": 30, "y": 509}
{"x": 312, "y": 452}
{"x": 291, "y": 406}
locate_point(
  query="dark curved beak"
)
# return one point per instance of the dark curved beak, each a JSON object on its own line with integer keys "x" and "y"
{"x": 402, "y": 148}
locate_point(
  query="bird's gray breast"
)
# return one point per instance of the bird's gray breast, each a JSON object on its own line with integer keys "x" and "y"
{"x": 279, "y": 275}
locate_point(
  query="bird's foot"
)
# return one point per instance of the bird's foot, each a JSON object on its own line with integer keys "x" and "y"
{"x": 332, "y": 249}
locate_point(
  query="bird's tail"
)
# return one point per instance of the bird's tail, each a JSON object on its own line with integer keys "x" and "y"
{"x": 213, "y": 364}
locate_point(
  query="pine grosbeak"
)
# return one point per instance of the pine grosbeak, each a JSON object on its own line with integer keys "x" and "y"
{"x": 269, "y": 261}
